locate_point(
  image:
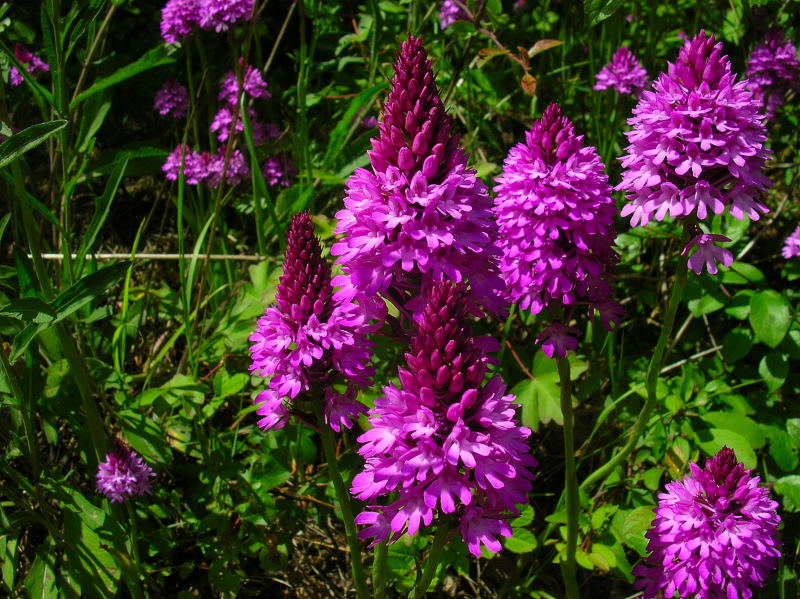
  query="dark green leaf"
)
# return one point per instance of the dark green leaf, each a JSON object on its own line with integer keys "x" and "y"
{"x": 783, "y": 451}
{"x": 736, "y": 344}
{"x": 40, "y": 583}
{"x": 773, "y": 368}
{"x": 27, "y": 139}
{"x": 153, "y": 58}
{"x": 769, "y": 316}
{"x": 600, "y": 10}
{"x": 29, "y": 309}
{"x": 789, "y": 488}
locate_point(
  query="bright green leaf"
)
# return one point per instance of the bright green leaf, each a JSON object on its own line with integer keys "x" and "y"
{"x": 769, "y": 316}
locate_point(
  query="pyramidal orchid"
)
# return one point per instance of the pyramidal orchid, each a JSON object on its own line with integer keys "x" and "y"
{"x": 696, "y": 147}
{"x": 309, "y": 339}
{"x": 773, "y": 70}
{"x": 623, "y": 73}
{"x": 444, "y": 442}
{"x": 123, "y": 474}
{"x": 714, "y": 535}
{"x": 418, "y": 215}
{"x": 555, "y": 217}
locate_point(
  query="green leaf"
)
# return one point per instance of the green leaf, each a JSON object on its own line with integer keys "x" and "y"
{"x": 82, "y": 292}
{"x": 153, "y": 58}
{"x": 603, "y": 557}
{"x": 29, "y": 309}
{"x": 40, "y": 583}
{"x": 341, "y": 132}
{"x": 736, "y": 344}
{"x": 714, "y": 439}
{"x": 27, "y": 139}
{"x": 600, "y": 10}
{"x": 102, "y": 207}
{"x": 739, "y": 305}
{"x": 789, "y": 488}
{"x": 704, "y": 296}
{"x": 783, "y": 451}
{"x": 630, "y": 526}
{"x": 793, "y": 429}
{"x": 523, "y": 541}
{"x": 770, "y": 317}
{"x": 741, "y": 273}
{"x": 738, "y": 423}
{"x": 145, "y": 436}
{"x": 774, "y": 368}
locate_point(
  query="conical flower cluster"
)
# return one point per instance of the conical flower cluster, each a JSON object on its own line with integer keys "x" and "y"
{"x": 443, "y": 441}
{"x": 310, "y": 339}
{"x": 773, "y": 69}
{"x": 623, "y": 73}
{"x": 555, "y": 216}
{"x": 714, "y": 536}
{"x": 696, "y": 143}
{"x": 418, "y": 215}
{"x": 123, "y": 474}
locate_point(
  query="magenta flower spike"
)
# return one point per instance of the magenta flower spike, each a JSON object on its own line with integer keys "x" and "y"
{"x": 443, "y": 441}
{"x": 791, "y": 247}
{"x": 123, "y": 474}
{"x": 555, "y": 216}
{"x": 33, "y": 63}
{"x": 714, "y": 535}
{"x": 172, "y": 99}
{"x": 623, "y": 73}
{"x": 418, "y": 215}
{"x": 696, "y": 144}
{"x": 773, "y": 70}
{"x": 451, "y": 11}
{"x": 309, "y": 339}
{"x": 180, "y": 17}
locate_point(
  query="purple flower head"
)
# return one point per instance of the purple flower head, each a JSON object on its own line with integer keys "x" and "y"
{"x": 308, "y": 338}
{"x": 773, "y": 69}
{"x": 123, "y": 474}
{"x": 172, "y": 99}
{"x": 279, "y": 170}
{"x": 714, "y": 535}
{"x": 252, "y": 82}
{"x": 623, "y": 73}
{"x": 178, "y": 18}
{"x": 33, "y": 63}
{"x": 221, "y": 125}
{"x": 195, "y": 165}
{"x": 444, "y": 441}
{"x": 697, "y": 142}
{"x": 791, "y": 247}
{"x": 219, "y": 15}
{"x": 555, "y": 217}
{"x": 235, "y": 172}
{"x": 451, "y": 11}
{"x": 419, "y": 215}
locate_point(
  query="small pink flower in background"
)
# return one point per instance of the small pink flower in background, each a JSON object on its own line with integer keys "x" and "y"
{"x": 172, "y": 99}
{"x": 623, "y": 73}
{"x": 236, "y": 171}
{"x": 123, "y": 474}
{"x": 279, "y": 170}
{"x": 451, "y": 11}
{"x": 252, "y": 82}
{"x": 194, "y": 169}
{"x": 206, "y": 167}
{"x": 791, "y": 247}
{"x": 180, "y": 17}
{"x": 773, "y": 69}
{"x": 715, "y": 534}
{"x": 696, "y": 145}
{"x": 33, "y": 63}
{"x": 221, "y": 125}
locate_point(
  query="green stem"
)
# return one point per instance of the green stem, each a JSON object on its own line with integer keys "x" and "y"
{"x": 136, "y": 591}
{"x": 570, "y": 480}
{"x": 379, "y": 560}
{"x": 359, "y": 575}
{"x": 25, "y": 410}
{"x": 431, "y": 561}
{"x": 650, "y": 381}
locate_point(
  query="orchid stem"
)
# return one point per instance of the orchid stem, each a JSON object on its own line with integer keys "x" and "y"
{"x": 432, "y": 561}
{"x": 570, "y": 480}
{"x": 328, "y": 446}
